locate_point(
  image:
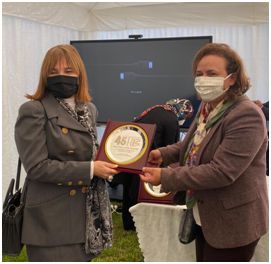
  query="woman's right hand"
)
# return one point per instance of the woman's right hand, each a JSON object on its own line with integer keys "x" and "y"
{"x": 104, "y": 169}
{"x": 155, "y": 158}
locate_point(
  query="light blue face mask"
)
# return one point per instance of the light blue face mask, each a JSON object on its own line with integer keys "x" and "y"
{"x": 210, "y": 88}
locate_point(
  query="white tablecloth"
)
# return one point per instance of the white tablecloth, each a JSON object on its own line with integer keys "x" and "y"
{"x": 157, "y": 229}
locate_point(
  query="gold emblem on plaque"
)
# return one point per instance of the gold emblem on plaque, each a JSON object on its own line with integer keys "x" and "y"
{"x": 126, "y": 144}
{"x": 154, "y": 190}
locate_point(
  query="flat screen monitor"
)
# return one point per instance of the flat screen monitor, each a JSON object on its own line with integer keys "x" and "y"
{"x": 128, "y": 76}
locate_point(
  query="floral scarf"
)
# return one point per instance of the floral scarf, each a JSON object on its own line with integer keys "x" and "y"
{"x": 98, "y": 211}
{"x": 205, "y": 122}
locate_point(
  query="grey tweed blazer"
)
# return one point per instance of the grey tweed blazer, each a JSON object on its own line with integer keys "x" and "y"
{"x": 55, "y": 151}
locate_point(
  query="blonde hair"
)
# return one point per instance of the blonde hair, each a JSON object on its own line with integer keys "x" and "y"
{"x": 73, "y": 59}
{"x": 234, "y": 66}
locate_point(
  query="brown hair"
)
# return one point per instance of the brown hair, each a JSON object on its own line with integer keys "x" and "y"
{"x": 73, "y": 59}
{"x": 234, "y": 66}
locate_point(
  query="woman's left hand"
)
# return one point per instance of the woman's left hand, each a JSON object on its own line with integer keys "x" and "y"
{"x": 151, "y": 175}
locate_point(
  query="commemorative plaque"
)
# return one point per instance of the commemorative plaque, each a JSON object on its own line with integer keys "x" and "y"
{"x": 126, "y": 144}
{"x": 154, "y": 191}
{"x": 153, "y": 194}
{"x": 149, "y": 193}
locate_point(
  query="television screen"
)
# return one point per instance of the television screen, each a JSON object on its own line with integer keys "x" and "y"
{"x": 128, "y": 76}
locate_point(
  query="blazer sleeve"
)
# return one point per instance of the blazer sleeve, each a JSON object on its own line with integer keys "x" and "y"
{"x": 171, "y": 153}
{"x": 244, "y": 134}
{"x": 30, "y": 138}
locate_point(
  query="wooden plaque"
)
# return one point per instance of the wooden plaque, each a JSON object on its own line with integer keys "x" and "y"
{"x": 126, "y": 144}
{"x": 151, "y": 194}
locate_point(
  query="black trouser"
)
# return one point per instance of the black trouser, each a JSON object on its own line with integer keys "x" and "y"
{"x": 130, "y": 194}
{"x": 207, "y": 253}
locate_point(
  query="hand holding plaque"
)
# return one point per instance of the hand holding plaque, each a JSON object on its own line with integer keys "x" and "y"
{"x": 126, "y": 144}
{"x": 150, "y": 193}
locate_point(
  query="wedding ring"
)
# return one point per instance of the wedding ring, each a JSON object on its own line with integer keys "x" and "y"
{"x": 110, "y": 178}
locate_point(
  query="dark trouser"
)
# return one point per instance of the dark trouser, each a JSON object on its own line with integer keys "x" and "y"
{"x": 130, "y": 193}
{"x": 206, "y": 253}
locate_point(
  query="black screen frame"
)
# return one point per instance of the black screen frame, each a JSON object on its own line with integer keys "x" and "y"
{"x": 196, "y": 103}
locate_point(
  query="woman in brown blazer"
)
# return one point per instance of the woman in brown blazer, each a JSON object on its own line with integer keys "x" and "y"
{"x": 67, "y": 213}
{"x": 222, "y": 160}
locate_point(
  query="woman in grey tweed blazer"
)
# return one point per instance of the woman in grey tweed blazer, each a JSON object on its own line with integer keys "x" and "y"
{"x": 67, "y": 212}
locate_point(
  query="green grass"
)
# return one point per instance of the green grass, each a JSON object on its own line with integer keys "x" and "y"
{"x": 21, "y": 258}
{"x": 125, "y": 246}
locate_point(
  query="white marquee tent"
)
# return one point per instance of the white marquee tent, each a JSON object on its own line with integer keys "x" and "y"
{"x": 97, "y": 16}
{"x": 30, "y": 29}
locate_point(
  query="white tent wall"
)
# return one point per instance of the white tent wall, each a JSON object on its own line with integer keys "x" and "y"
{"x": 25, "y": 42}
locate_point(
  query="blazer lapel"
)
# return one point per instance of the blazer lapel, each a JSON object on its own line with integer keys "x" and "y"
{"x": 208, "y": 138}
{"x": 64, "y": 119}
{"x": 215, "y": 127}
{"x": 186, "y": 141}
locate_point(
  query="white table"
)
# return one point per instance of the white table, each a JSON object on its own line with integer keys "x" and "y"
{"x": 157, "y": 228}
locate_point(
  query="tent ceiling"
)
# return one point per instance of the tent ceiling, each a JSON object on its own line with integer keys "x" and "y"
{"x": 103, "y": 5}
{"x": 103, "y": 16}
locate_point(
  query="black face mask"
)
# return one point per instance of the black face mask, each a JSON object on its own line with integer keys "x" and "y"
{"x": 62, "y": 86}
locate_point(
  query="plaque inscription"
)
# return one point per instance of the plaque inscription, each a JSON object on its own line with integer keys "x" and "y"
{"x": 126, "y": 144}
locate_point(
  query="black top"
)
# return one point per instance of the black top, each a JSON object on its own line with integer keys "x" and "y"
{"x": 265, "y": 110}
{"x": 167, "y": 128}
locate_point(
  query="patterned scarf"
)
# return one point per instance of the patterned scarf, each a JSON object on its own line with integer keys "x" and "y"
{"x": 98, "y": 211}
{"x": 205, "y": 122}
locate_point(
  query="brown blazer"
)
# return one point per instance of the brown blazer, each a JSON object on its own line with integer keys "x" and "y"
{"x": 229, "y": 177}
{"x": 56, "y": 152}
